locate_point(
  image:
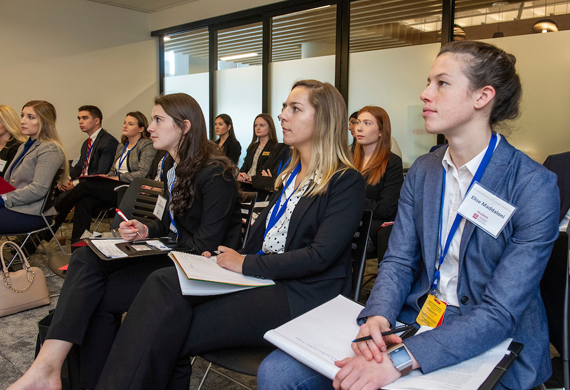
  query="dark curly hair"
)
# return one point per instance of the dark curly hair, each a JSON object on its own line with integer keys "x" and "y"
{"x": 488, "y": 65}
{"x": 195, "y": 151}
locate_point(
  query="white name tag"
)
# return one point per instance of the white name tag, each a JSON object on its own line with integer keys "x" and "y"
{"x": 2, "y": 165}
{"x": 486, "y": 210}
{"x": 159, "y": 207}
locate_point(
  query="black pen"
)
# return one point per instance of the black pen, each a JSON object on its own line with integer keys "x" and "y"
{"x": 397, "y": 329}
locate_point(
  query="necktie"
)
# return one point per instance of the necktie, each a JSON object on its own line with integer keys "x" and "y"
{"x": 86, "y": 163}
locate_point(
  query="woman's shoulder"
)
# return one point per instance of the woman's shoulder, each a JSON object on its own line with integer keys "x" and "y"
{"x": 346, "y": 176}
{"x": 145, "y": 142}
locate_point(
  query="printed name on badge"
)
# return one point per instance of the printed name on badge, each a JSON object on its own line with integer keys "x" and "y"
{"x": 486, "y": 210}
{"x": 159, "y": 207}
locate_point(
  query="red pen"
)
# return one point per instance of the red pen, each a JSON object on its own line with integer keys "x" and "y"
{"x": 124, "y": 217}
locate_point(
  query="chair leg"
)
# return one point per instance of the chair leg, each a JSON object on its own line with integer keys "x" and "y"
{"x": 53, "y": 235}
{"x": 205, "y": 375}
{"x": 232, "y": 379}
{"x": 50, "y": 272}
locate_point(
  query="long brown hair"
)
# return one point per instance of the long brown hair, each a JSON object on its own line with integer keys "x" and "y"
{"x": 272, "y": 133}
{"x": 141, "y": 122}
{"x": 376, "y": 166}
{"x": 195, "y": 152}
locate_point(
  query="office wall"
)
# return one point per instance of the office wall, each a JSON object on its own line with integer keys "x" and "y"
{"x": 72, "y": 52}
{"x": 201, "y": 9}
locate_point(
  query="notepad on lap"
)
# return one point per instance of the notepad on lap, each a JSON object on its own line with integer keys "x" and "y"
{"x": 199, "y": 275}
{"x": 5, "y": 187}
{"x": 324, "y": 335}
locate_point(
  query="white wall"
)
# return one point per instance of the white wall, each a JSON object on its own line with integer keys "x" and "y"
{"x": 202, "y": 9}
{"x": 75, "y": 52}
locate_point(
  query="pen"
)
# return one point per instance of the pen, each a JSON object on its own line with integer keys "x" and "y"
{"x": 397, "y": 329}
{"x": 123, "y": 216}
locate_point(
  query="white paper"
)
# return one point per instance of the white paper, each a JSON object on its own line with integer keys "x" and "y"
{"x": 109, "y": 248}
{"x": 486, "y": 210}
{"x": 206, "y": 269}
{"x": 199, "y": 288}
{"x": 2, "y": 165}
{"x": 158, "y": 245}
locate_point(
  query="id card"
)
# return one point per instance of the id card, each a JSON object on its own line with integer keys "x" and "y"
{"x": 432, "y": 312}
{"x": 2, "y": 165}
{"x": 486, "y": 210}
{"x": 159, "y": 207}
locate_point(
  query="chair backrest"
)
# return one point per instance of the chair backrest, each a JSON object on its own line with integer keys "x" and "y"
{"x": 554, "y": 291}
{"x": 139, "y": 200}
{"x": 49, "y": 200}
{"x": 247, "y": 205}
{"x": 359, "y": 244}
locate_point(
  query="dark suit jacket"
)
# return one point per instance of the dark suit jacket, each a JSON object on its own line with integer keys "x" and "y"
{"x": 102, "y": 154}
{"x": 266, "y": 183}
{"x": 499, "y": 279}
{"x": 231, "y": 149}
{"x": 316, "y": 265}
{"x": 213, "y": 219}
{"x": 8, "y": 153}
{"x": 263, "y": 157}
{"x": 560, "y": 164}
{"x": 382, "y": 198}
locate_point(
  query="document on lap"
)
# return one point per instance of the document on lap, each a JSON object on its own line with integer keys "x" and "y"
{"x": 324, "y": 335}
{"x": 199, "y": 275}
{"x": 5, "y": 187}
{"x": 111, "y": 248}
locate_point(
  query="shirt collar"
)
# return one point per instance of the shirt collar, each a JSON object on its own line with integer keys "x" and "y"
{"x": 471, "y": 165}
{"x": 95, "y": 134}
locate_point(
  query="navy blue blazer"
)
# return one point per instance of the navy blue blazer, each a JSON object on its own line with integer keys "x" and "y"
{"x": 499, "y": 279}
{"x": 316, "y": 265}
{"x": 102, "y": 154}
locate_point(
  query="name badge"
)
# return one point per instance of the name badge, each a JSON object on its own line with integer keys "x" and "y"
{"x": 2, "y": 165}
{"x": 486, "y": 210}
{"x": 265, "y": 153}
{"x": 159, "y": 207}
{"x": 432, "y": 312}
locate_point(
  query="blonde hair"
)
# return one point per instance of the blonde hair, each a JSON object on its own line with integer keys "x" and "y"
{"x": 330, "y": 152}
{"x": 11, "y": 122}
{"x": 47, "y": 116}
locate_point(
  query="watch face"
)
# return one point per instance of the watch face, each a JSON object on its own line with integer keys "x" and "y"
{"x": 399, "y": 356}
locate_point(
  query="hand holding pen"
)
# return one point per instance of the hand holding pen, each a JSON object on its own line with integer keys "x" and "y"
{"x": 395, "y": 330}
{"x": 130, "y": 229}
{"x": 374, "y": 340}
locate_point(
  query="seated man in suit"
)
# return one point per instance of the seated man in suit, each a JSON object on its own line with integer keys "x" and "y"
{"x": 560, "y": 164}
{"x": 97, "y": 153}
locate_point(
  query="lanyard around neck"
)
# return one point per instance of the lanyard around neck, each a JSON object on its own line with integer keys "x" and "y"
{"x": 458, "y": 217}
{"x": 123, "y": 158}
{"x": 277, "y": 210}
{"x": 281, "y": 166}
{"x": 171, "y": 187}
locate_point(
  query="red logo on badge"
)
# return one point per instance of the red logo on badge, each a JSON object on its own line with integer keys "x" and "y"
{"x": 475, "y": 216}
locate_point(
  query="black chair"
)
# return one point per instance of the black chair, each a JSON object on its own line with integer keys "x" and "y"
{"x": 47, "y": 204}
{"x": 554, "y": 291}
{"x": 247, "y": 205}
{"x": 247, "y": 360}
{"x": 139, "y": 200}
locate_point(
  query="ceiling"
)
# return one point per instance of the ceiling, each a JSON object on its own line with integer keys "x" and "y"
{"x": 374, "y": 25}
{"x": 148, "y": 6}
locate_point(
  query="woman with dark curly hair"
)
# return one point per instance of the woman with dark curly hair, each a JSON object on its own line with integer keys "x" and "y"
{"x": 203, "y": 212}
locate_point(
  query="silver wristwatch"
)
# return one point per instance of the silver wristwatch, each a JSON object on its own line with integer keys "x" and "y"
{"x": 401, "y": 359}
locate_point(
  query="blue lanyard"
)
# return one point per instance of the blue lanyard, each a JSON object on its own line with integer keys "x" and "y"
{"x": 279, "y": 211}
{"x": 281, "y": 166}
{"x": 169, "y": 203}
{"x": 121, "y": 160}
{"x": 458, "y": 217}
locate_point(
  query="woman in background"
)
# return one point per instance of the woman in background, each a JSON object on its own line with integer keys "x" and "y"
{"x": 227, "y": 142}
{"x": 11, "y": 136}
{"x": 32, "y": 170}
{"x": 133, "y": 159}
{"x": 264, "y": 139}
{"x": 381, "y": 168}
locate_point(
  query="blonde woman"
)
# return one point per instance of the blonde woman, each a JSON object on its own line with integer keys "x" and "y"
{"x": 11, "y": 136}
{"x": 32, "y": 170}
{"x": 301, "y": 240}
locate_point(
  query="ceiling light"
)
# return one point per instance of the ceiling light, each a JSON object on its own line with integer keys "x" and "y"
{"x": 544, "y": 26}
{"x": 501, "y": 4}
{"x": 238, "y": 56}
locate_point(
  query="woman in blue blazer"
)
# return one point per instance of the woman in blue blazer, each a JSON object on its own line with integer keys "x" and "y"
{"x": 491, "y": 285}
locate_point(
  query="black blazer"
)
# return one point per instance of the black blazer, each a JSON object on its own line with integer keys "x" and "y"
{"x": 560, "y": 164}
{"x": 102, "y": 155}
{"x": 8, "y": 153}
{"x": 266, "y": 183}
{"x": 383, "y": 197}
{"x": 263, "y": 157}
{"x": 155, "y": 163}
{"x": 316, "y": 265}
{"x": 231, "y": 149}
{"x": 213, "y": 219}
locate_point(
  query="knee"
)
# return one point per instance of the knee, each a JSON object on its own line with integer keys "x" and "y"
{"x": 280, "y": 371}
{"x": 82, "y": 257}
{"x": 163, "y": 279}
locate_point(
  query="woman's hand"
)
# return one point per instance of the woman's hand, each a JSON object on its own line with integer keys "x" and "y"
{"x": 358, "y": 373}
{"x": 129, "y": 230}
{"x": 114, "y": 177}
{"x": 266, "y": 172}
{"x": 372, "y": 349}
{"x": 229, "y": 259}
{"x": 244, "y": 177}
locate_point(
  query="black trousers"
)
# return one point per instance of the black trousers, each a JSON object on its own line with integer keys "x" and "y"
{"x": 14, "y": 222}
{"x": 87, "y": 196}
{"x": 93, "y": 298}
{"x": 163, "y": 329}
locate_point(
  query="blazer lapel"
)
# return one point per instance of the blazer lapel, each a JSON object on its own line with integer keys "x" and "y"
{"x": 300, "y": 210}
{"x": 491, "y": 179}
{"x": 432, "y": 208}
